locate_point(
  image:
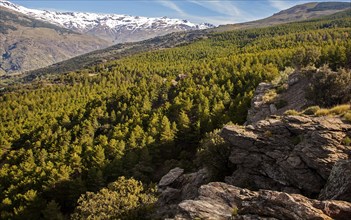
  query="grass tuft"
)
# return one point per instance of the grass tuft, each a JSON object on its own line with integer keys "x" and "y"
{"x": 347, "y": 116}
{"x": 291, "y": 112}
{"x": 311, "y": 110}
{"x": 322, "y": 112}
{"x": 347, "y": 141}
{"x": 340, "y": 109}
{"x": 270, "y": 96}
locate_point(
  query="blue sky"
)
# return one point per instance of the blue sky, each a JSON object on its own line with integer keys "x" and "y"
{"x": 211, "y": 11}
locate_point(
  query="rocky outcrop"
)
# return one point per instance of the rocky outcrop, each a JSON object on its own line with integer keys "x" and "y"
{"x": 222, "y": 201}
{"x": 175, "y": 187}
{"x": 292, "y": 154}
{"x": 288, "y": 95}
{"x": 280, "y": 166}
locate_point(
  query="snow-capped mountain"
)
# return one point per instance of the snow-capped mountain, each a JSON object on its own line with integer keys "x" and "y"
{"x": 112, "y": 27}
{"x": 27, "y": 43}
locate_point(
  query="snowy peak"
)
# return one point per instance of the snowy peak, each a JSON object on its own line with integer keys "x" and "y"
{"x": 113, "y": 27}
{"x": 10, "y": 5}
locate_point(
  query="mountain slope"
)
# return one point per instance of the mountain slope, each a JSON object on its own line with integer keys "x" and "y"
{"x": 115, "y": 52}
{"x": 27, "y": 43}
{"x": 296, "y": 13}
{"x": 111, "y": 27}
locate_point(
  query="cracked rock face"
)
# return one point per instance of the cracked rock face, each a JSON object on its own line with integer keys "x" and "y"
{"x": 291, "y": 154}
{"x": 339, "y": 182}
{"x": 175, "y": 187}
{"x": 222, "y": 201}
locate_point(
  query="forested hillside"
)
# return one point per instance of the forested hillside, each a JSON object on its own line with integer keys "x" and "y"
{"x": 139, "y": 116}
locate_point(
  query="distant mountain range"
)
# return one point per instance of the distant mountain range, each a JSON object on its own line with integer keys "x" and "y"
{"x": 113, "y": 28}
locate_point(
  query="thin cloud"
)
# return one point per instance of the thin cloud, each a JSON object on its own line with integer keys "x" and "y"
{"x": 227, "y": 12}
{"x": 221, "y": 7}
{"x": 173, "y": 6}
{"x": 281, "y": 4}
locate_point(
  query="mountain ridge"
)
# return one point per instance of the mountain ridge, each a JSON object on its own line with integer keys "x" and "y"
{"x": 114, "y": 28}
